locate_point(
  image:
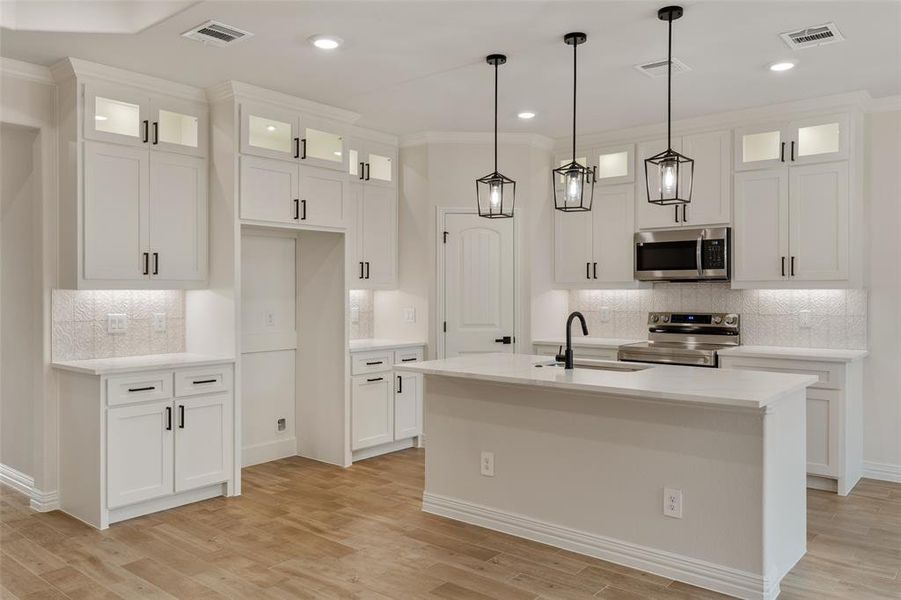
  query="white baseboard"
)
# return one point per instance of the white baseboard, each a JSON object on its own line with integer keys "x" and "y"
{"x": 382, "y": 449}
{"x": 39, "y": 500}
{"x": 268, "y": 451}
{"x": 720, "y": 578}
{"x": 882, "y": 471}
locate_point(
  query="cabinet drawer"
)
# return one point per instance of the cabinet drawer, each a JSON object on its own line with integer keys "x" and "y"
{"x": 831, "y": 376}
{"x": 139, "y": 387}
{"x": 371, "y": 362}
{"x": 203, "y": 380}
{"x": 407, "y": 356}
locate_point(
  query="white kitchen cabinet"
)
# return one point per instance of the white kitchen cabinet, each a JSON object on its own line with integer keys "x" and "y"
{"x": 269, "y": 190}
{"x": 648, "y": 215}
{"x": 202, "y": 440}
{"x": 372, "y": 410}
{"x": 178, "y": 126}
{"x": 376, "y": 236}
{"x": 407, "y": 405}
{"x": 613, "y": 165}
{"x": 796, "y": 142}
{"x": 375, "y": 163}
{"x": 792, "y": 225}
{"x": 322, "y": 144}
{"x": 595, "y": 248}
{"x": 322, "y": 196}
{"x": 140, "y": 453}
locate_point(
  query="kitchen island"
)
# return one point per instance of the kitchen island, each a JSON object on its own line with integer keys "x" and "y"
{"x": 590, "y": 460}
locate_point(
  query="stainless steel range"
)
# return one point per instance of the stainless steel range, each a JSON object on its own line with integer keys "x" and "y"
{"x": 684, "y": 339}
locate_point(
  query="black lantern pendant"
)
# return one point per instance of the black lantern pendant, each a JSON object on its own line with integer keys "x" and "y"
{"x": 495, "y": 192}
{"x": 573, "y": 183}
{"x": 668, "y": 175}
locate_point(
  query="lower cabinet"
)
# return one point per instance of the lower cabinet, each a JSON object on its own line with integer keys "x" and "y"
{"x": 140, "y": 447}
{"x": 386, "y": 403}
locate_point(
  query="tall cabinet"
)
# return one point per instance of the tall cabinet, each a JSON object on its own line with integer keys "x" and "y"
{"x": 134, "y": 176}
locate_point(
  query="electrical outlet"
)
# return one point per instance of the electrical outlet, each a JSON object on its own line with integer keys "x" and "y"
{"x": 281, "y": 425}
{"x": 410, "y": 314}
{"x": 487, "y": 467}
{"x": 159, "y": 322}
{"x": 354, "y": 314}
{"x": 672, "y": 503}
{"x": 270, "y": 319}
{"x": 116, "y": 323}
{"x": 604, "y": 314}
{"x": 804, "y": 319}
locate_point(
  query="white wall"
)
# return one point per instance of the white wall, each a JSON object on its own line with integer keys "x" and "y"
{"x": 882, "y": 370}
{"x": 442, "y": 173}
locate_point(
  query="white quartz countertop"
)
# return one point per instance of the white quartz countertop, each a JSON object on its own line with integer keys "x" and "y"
{"x": 587, "y": 342}
{"x": 691, "y": 385}
{"x": 382, "y": 344}
{"x": 819, "y": 354}
{"x": 146, "y": 362}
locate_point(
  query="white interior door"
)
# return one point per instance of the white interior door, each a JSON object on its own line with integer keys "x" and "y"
{"x": 479, "y": 309}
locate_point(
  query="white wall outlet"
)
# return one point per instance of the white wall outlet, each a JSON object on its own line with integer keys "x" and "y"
{"x": 159, "y": 322}
{"x": 410, "y": 314}
{"x": 487, "y": 465}
{"x": 354, "y": 314}
{"x": 804, "y": 319}
{"x": 270, "y": 319}
{"x": 604, "y": 314}
{"x": 116, "y": 323}
{"x": 672, "y": 503}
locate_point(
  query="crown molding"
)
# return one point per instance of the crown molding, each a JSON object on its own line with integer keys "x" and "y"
{"x": 371, "y": 135}
{"x": 75, "y": 67}
{"x": 18, "y": 69}
{"x": 533, "y": 140}
{"x": 245, "y": 91}
{"x": 885, "y": 104}
{"x": 859, "y": 100}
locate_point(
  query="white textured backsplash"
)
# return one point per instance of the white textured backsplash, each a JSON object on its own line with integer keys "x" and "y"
{"x": 838, "y": 318}
{"x": 80, "y": 323}
{"x": 361, "y": 300}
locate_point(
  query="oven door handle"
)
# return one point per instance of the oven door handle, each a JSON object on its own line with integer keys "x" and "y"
{"x": 698, "y": 249}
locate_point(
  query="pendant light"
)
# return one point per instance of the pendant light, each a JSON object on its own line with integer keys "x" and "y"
{"x": 668, "y": 175}
{"x": 495, "y": 193}
{"x": 572, "y": 179}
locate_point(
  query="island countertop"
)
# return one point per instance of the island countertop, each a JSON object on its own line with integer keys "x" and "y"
{"x": 691, "y": 385}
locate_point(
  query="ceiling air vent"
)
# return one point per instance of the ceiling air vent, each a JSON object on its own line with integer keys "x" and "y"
{"x": 812, "y": 37}
{"x": 216, "y": 33}
{"x": 658, "y": 68}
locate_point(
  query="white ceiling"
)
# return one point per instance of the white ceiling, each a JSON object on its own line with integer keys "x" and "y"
{"x": 411, "y": 66}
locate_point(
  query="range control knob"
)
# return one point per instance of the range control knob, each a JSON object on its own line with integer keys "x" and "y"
{"x": 655, "y": 318}
{"x": 666, "y": 318}
{"x": 717, "y": 319}
{"x": 731, "y": 319}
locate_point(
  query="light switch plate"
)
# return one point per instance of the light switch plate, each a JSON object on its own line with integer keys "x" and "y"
{"x": 604, "y": 314}
{"x": 410, "y": 314}
{"x": 354, "y": 314}
{"x": 159, "y": 322}
{"x": 116, "y": 323}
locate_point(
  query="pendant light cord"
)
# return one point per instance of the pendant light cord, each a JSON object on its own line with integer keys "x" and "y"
{"x": 575, "y": 46}
{"x": 669, "y": 87}
{"x": 495, "y": 116}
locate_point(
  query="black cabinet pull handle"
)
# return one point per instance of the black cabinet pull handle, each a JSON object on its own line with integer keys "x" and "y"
{"x": 782, "y": 153}
{"x": 362, "y": 169}
{"x": 407, "y": 359}
{"x": 202, "y": 381}
{"x": 146, "y": 263}
{"x": 594, "y": 267}
{"x": 296, "y": 209}
{"x": 296, "y": 147}
{"x": 594, "y": 174}
{"x": 156, "y": 133}
{"x": 793, "y": 266}
{"x": 588, "y": 270}
{"x": 142, "y": 389}
{"x": 783, "y": 266}
{"x": 303, "y": 152}
{"x": 400, "y": 384}
{"x": 793, "y": 150}
{"x": 361, "y": 270}
{"x": 146, "y": 130}
{"x": 367, "y": 269}
{"x": 374, "y": 379}
{"x": 368, "y": 170}
{"x": 156, "y": 263}
{"x": 676, "y": 214}
{"x": 168, "y": 418}
{"x": 303, "y": 213}
{"x": 374, "y": 362}
{"x": 685, "y": 213}
{"x": 181, "y": 416}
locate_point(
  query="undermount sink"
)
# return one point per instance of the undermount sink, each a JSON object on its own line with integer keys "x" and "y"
{"x": 597, "y": 366}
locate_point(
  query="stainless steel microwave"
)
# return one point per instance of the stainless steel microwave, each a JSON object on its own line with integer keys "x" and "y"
{"x": 683, "y": 255}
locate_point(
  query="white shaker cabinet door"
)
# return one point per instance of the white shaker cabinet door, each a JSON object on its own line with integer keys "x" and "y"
{"x": 203, "y": 433}
{"x": 573, "y": 246}
{"x": 322, "y": 197}
{"x": 372, "y": 408}
{"x": 760, "y": 235}
{"x": 407, "y": 405}
{"x": 269, "y": 190}
{"x": 711, "y": 195}
{"x": 139, "y": 453}
{"x": 115, "y": 211}
{"x": 820, "y": 221}
{"x": 178, "y": 217}
{"x": 379, "y": 233}
{"x": 613, "y": 215}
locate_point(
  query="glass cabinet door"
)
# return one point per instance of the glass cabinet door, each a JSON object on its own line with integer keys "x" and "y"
{"x": 322, "y": 144}
{"x": 116, "y": 115}
{"x": 761, "y": 147}
{"x": 178, "y": 126}
{"x": 819, "y": 140}
{"x": 380, "y": 164}
{"x": 615, "y": 165}
{"x": 269, "y": 132}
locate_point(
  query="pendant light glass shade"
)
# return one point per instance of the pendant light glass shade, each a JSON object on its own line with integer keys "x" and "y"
{"x": 668, "y": 175}
{"x": 495, "y": 192}
{"x": 573, "y": 182}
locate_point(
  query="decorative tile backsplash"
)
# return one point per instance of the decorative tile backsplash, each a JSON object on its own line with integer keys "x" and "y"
{"x": 80, "y": 323}
{"x": 838, "y": 318}
{"x": 361, "y": 302}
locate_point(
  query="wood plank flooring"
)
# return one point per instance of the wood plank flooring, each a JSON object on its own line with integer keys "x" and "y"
{"x": 308, "y": 530}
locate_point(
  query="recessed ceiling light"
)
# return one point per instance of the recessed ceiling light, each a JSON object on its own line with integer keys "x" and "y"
{"x": 99, "y": 118}
{"x": 270, "y": 127}
{"x": 325, "y": 42}
{"x": 526, "y": 115}
{"x": 782, "y": 65}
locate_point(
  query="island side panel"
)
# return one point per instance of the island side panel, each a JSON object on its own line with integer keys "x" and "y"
{"x": 598, "y": 465}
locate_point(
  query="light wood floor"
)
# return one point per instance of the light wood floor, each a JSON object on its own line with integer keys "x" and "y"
{"x": 307, "y": 530}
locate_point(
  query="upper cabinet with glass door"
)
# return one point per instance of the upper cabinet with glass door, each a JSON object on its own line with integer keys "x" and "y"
{"x": 372, "y": 162}
{"x": 804, "y": 141}
{"x": 273, "y": 132}
{"x": 614, "y": 165}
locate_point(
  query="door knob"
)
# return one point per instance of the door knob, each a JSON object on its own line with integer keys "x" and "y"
{"x": 504, "y": 340}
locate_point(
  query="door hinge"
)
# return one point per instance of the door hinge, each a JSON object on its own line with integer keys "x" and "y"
{"x": 445, "y": 237}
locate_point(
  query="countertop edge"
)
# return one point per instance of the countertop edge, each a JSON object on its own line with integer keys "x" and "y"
{"x": 793, "y": 353}
{"x": 387, "y": 345}
{"x": 72, "y": 367}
